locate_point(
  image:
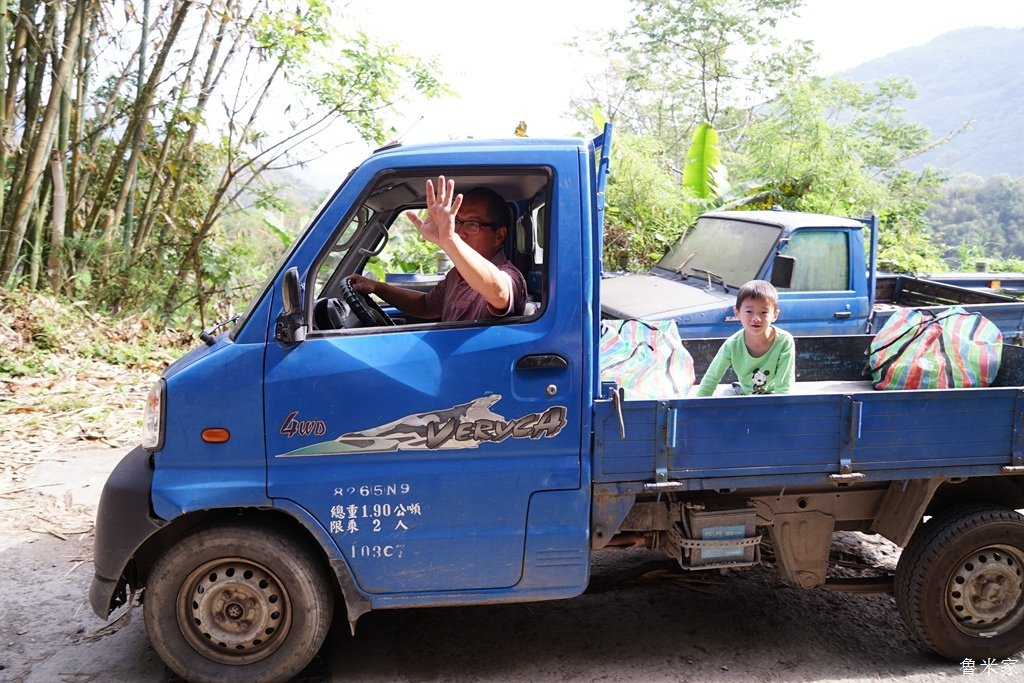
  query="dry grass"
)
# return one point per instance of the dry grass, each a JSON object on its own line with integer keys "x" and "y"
{"x": 69, "y": 379}
{"x": 73, "y": 378}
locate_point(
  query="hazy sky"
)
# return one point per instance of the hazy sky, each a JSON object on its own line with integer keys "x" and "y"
{"x": 850, "y": 33}
{"x": 508, "y": 62}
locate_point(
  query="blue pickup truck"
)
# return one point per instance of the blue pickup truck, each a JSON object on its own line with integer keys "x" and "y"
{"x": 326, "y": 452}
{"x": 825, "y": 274}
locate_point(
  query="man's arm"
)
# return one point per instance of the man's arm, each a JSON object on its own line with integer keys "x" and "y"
{"x": 479, "y": 273}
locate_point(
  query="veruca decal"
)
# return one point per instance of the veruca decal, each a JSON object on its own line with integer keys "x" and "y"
{"x": 466, "y": 425}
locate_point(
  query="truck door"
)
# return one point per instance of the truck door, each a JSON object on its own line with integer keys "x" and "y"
{"x": 442, "y": 457}
{"x": 823, "y": 299}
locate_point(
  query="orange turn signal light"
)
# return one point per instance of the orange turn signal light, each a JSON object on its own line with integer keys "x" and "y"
{"x": 216, "y": 435}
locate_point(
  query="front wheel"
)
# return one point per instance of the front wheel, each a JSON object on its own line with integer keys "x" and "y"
{"x": 960, "y": 583}
{"x": 238, "y": 603}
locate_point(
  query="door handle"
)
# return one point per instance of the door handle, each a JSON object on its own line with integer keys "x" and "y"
{"x": 542, "y": 361}
{"x": 842, "y": 315}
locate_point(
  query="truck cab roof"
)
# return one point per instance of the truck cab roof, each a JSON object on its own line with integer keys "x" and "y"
{"x": 787, "y": 220}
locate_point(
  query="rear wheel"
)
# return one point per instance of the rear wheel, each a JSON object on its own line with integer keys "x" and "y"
{"x": 238, "y": 603}
{"x": 960, "y": 583}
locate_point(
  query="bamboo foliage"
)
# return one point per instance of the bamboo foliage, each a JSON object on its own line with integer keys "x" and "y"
{"x": 137, "y": 118}
{"x": 117, "y": 171}
{"x": 3, "y": 108}
{"x": 38, "y": 140}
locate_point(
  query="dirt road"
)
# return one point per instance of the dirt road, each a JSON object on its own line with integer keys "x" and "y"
{"x": 641, "y": 618}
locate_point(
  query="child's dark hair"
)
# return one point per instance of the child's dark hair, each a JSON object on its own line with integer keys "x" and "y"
{"x": 758, "y": 289}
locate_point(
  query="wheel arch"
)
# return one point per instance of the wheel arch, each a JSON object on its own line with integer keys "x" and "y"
{"x": 289, "y": 519}
{"x": 1005, "y": 491}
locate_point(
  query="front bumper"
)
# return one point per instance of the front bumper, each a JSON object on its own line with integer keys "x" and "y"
{"x": 124, "y": 521}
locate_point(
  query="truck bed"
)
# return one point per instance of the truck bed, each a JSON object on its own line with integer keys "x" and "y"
{"x": 905, "y": 290}
{"x": 834, "y": 423}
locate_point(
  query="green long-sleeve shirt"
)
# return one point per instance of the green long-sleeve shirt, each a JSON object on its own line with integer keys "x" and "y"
{"x": 772, "y": 373}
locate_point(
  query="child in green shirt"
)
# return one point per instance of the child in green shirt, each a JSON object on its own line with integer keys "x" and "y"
{"x": 761, "y": 355}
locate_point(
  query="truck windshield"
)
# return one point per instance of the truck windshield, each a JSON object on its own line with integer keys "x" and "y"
{"x": 727, "y": 251}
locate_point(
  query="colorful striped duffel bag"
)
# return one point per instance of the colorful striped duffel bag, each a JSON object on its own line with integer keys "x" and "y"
{"x": 924, "y": 350}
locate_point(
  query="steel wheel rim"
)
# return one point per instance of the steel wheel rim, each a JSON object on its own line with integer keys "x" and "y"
{"x": 985, "y": 593}
{"x": 233, "y": 611}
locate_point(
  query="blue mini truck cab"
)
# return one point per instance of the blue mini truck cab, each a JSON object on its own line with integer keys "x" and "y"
{"x": 330, "y": 450}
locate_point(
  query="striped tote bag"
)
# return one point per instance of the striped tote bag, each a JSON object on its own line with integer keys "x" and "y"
{"x": 924, "y": 350}
{"x": 645, "y": 358}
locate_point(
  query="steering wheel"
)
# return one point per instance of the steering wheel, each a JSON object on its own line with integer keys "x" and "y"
{"x": 365, "y": 308}
{"x": 330, "y": 314}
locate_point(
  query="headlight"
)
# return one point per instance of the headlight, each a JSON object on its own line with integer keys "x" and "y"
{"x": 153, "y": 418}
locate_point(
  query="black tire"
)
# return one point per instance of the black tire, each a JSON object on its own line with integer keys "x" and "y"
{"x": 238, "y": 603}
{"x": 960, "y": 583}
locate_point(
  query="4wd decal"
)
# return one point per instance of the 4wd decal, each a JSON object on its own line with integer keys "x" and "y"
{"x": 466, "y": 425}
{"x": 292, "y": 426}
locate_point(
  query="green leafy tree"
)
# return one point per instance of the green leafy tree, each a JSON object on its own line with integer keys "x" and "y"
{"x": 109, "y": 189}
{"x": 681, "y": 81}
{"x": 683, "y": 69}
{"x": 838, "y": 148}
{"x": 982, "y": 220}
{"x": 646, "y": 210}
{"x": 682, "y": 63}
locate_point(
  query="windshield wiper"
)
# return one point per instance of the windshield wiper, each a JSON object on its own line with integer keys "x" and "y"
{"x": 711, "y": 276}
{"x": 686, "y": 261}
{"x": 207, "y": 335}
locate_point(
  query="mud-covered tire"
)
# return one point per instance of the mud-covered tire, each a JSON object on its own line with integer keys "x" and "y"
{"x": 960, "y": 583}
{"x": 238, "y": 603}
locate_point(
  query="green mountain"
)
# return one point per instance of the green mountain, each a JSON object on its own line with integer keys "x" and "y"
{"x": 975, "y": 75}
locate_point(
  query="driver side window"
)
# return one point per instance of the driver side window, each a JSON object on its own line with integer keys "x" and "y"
{"x": 380, "y": 243}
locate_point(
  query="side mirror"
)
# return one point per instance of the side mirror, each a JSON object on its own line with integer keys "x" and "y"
{"x": 290, "y": 327}
{"x": 782, "y": 271}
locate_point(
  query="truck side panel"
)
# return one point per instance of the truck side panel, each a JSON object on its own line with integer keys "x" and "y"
{"x": 937, "y": 428}
{"x": 719, "y": 436}
{"x": 780, "y": 440}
